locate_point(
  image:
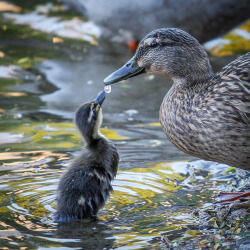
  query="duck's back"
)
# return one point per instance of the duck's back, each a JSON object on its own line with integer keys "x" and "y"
{"x": 212, "y": 120}
{"x": 239, "y": 67}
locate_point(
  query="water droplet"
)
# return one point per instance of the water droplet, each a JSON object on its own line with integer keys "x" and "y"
{"x": 131, "y": 112}
{"x": 107, "y": 89}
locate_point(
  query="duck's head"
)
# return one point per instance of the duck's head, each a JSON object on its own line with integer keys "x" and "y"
{"x": 168, "y": 52}
{"x": 88, "y": 118}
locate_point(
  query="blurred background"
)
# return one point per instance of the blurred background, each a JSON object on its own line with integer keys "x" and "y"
{"x": 54, "y": 56}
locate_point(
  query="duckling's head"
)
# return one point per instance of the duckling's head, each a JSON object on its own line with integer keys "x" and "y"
{"x": 88, "y": 118}
{"x": 168, "y": 52}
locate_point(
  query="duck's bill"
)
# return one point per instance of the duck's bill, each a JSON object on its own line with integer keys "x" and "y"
{"x": 130, "y": 69}
{"x": 100, "y": 98}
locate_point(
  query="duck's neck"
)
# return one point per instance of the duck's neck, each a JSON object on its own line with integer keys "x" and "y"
{"x": 193, "y": 71}
{"x": 192, "y": 80}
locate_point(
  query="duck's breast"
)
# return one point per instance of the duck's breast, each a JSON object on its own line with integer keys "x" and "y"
{"x": 206, "y": 126}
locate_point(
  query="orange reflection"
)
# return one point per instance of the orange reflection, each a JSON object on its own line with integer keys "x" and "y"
{"x": 34, "y": 157}
{"x": 15, "y": 94}
{"x": 4, "y": 6}
{"x": 57, "y": 40}
{"x": 2, "y": 54}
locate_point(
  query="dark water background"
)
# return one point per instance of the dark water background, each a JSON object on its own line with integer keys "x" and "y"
{"x": 44, "y": 77}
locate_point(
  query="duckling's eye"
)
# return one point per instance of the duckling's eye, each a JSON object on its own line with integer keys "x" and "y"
{"x": 154, "y": 44}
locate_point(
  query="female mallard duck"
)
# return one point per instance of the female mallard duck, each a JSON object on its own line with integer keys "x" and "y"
{"x": 85, "y": 187}
{"x": 204, "y": 114}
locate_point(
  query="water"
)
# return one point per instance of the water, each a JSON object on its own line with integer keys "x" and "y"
{"x": 107, "y": 89}
{"x": 41, "y": 85}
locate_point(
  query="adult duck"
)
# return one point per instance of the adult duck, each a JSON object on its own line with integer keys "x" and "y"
{"x": 204, "y": 114}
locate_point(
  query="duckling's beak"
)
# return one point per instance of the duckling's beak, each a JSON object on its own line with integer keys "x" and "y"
{"x": 130, "y": 69}
{"x": 100, "y": 98}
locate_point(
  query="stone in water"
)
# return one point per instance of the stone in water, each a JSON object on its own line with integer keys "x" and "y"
{"x": 107, "y": 89}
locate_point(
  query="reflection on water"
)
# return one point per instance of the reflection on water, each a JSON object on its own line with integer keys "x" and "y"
{"x": 148, "y": 201}
{"x": 156, "y": 188}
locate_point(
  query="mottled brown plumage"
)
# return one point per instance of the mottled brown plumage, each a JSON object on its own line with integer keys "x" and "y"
{"x": 204, "y": 114}
{"x": 211, "y": 119}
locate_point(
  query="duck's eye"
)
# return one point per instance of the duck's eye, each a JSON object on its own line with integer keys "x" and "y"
{"x": 154, "y": 44}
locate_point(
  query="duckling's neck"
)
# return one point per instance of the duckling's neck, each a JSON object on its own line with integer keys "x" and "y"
{"x": 93, "y": 140}
{"x": 104, "y": 151}
{"x": 92, "y": 135}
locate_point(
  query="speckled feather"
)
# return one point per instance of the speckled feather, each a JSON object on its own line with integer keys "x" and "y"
{"x": 211, "y": 119}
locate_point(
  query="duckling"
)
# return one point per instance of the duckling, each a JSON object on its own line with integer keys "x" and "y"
{"x": 204, "y": 114}
{"x": 86, "y": 186}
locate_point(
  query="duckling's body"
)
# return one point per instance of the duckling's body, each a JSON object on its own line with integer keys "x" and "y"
{"x": 86, "y": 186}
{"x": 204, "y": 114}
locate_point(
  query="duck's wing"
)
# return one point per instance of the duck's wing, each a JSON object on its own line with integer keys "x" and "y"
{"x": 233, "y": 90}
{"x": 239, "y": 68}
{"x": 238, "y": 97}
